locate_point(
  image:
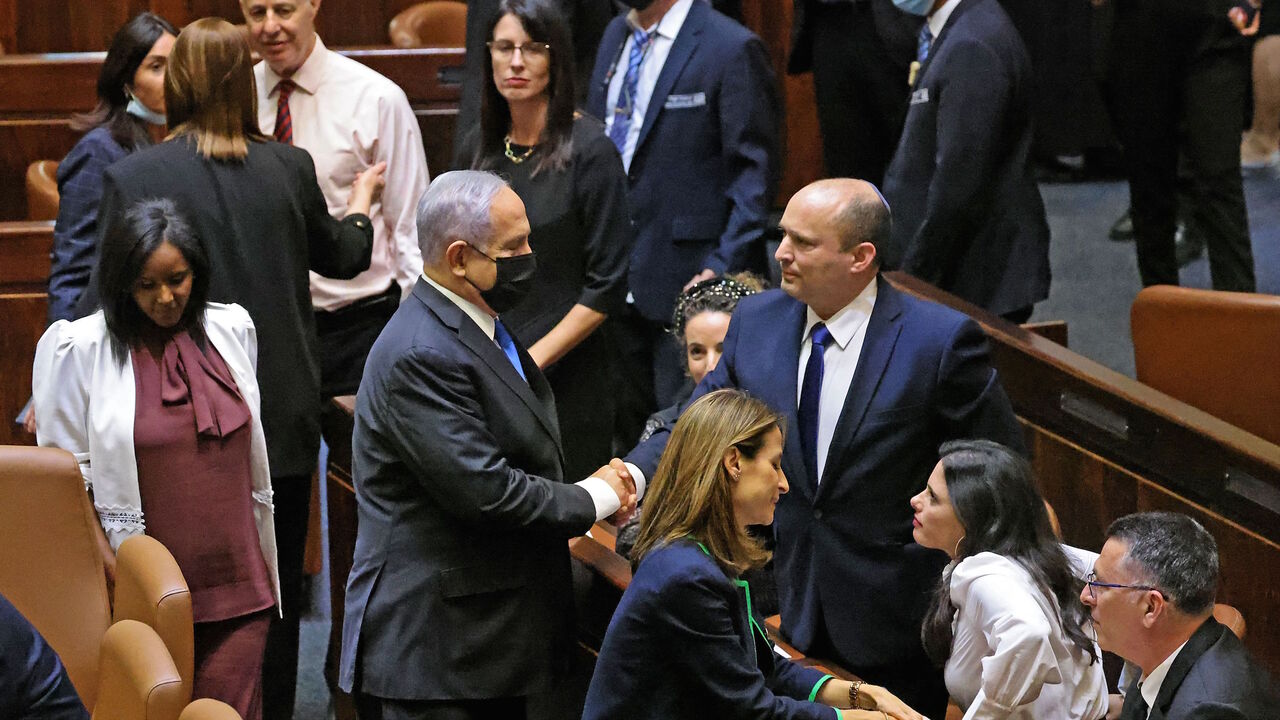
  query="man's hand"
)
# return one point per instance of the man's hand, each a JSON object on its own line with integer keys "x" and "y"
{"x": 619, "y": 478}
{"x": 706, "y": 274}
{"x": 1245, "y": 16}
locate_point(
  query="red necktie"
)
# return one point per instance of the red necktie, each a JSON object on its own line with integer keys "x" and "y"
{"x": 284, "y": 121}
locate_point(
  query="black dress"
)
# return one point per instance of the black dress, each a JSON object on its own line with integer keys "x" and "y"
{"x": 582, "y": 235}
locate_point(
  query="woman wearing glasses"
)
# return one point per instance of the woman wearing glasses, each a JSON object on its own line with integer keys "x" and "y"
{"x": 571, "y": 180}
{"x": 1006, "y": 622}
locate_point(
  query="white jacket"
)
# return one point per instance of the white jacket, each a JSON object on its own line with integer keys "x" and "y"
{"x": 84, "y": 404}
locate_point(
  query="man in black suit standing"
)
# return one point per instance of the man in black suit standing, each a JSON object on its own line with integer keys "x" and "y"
{"x": 968, "y": 215}
{"x": 859, "y": 52}
{"x": 1152, "y": 592}
{"x": 459, "y": 602}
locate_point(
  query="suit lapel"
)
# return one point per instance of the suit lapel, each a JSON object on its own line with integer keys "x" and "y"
{"x": 879, "y": 340}
{"x": 1201, "y": 640}
{"x": 491, "y": 355}
{"x": 681, "y": 50}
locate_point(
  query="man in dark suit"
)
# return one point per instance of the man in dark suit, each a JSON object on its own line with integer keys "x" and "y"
{"x": 33, "y": 682}
{"x": 1151, "y": 593}
{"x": 459, "y": 602}
{"x": 689, "y": 98}
{"x": 969, "y": 215}
{"x": 859, "y": 52}
{"x": 893, "y": 377}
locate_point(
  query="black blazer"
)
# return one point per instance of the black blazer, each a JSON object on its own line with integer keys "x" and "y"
{"x": 1213, "y": 678}
{"x": 264, "y": 223}
{"x": 33, "y": 682}
{"x": 460, "y": 587}
{"x": 845, "y": 559}
{"x": 898, "y": 31}
{"x": 705, "y": 168}
{"x": 967, "y": 214}
{"x": 686, "y": 643}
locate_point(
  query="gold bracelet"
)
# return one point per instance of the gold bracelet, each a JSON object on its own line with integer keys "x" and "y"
{"x": 854, "y": 688}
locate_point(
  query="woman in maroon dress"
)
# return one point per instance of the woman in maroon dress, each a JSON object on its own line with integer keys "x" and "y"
{"x": 156, "y": 395}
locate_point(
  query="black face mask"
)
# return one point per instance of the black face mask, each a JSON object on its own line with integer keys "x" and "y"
{"x": 514, "y": 281}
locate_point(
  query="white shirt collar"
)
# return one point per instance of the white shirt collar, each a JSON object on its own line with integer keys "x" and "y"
{"x": 307, "y": 77}
{"x": 1150, "y": 686}
{"x": 847, "y": 321}
{"x": 482, "y": 318}
{"x": 668, "y": 26}
{"x": 938, "y": 19}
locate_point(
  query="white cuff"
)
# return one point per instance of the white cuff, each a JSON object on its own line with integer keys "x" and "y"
{"x": 638, "y": 477}
{"x": 603, "y": 496}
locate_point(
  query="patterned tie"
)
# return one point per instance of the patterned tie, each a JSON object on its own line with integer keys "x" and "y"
{"x": 1135, "y": 706}
{"x": 810, "y": 398}
{"x": 625, "y": 105}
{"x": 508, "y": 346}
{"x": 284, "y": 121}
{"x": 926, "y": 39}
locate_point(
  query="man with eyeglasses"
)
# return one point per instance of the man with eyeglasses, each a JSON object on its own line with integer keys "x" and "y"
{"x": 1152, "y": 592}
{"x": 349, "y": 118}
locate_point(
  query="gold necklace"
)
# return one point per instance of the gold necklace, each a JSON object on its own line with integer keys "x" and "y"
{"x": 517, "y": 159}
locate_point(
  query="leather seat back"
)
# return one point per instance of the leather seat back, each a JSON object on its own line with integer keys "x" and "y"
{"x": 50, "y": 564}
{"x": 440, "y": 23}
{"x": 150, "y": 588}
{"x": 42, "y": 190}
{"x": 138, "y": 680}
{"x": 1216, "y": 351}
{"x": 206, "y": 709}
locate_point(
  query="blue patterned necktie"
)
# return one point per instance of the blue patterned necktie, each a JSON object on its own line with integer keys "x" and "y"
{"x": 926, "y": 39}
{"x": 508, "y": 346}
{"x": 810, "y": 398}
{"x": 623, "y": 108}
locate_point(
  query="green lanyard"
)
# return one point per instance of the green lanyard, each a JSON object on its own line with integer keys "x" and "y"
{"x": 746, "y": 589}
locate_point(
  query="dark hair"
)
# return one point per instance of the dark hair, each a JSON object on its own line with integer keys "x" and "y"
{"x": 130, "y": 46}
{"x": 862, "y": 220}
{"x": 128, "y": 244}
{"x": 718, "y": 294}
{"x": 543, "y": 23}
{"x": 997, "y": 503}
{"x": 1175, "y": 553}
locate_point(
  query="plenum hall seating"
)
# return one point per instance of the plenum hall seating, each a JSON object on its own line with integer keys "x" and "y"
{"x": 1214, "y": 350}
{"x": 42, "y": 190}
{"x": 138, "y": 680}
{"x": 434, "y": 23}
{"x": 150, "y": 588}
{"x": 207, "y": 709}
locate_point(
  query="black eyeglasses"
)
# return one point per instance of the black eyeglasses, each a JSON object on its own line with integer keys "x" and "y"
{"x": 1091, "y": 580}
{"x": 504, "y": 49}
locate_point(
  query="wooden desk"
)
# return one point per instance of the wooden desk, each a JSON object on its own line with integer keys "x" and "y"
{"x": 24, "y": 304}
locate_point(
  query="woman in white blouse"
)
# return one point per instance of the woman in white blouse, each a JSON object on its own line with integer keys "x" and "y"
{"x": 1006, "y": 622}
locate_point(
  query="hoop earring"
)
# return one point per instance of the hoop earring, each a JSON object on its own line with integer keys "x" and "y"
{"x": 956, "y": 551}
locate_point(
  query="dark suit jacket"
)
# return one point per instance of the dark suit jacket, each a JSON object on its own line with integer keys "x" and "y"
{"x": 967, "y": 212}
{"x": 845, "y": 558}
{"x": 897, "y": 30}
{"x": 33, "y": 682}
{"x": 264, "y": 224}
{"x": 705, "y": 167}
{"x": 460, "y": 587}
{"x": 686, "y": 644}
{"x": 1213, "y": 678}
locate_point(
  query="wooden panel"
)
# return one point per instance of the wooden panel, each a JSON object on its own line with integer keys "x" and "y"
{"x": 21, "y": 324}
{"x": 22, "y": 142}
{"x": 24, "y": 256}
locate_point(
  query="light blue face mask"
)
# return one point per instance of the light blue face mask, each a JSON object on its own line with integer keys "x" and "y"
{"x": 144, "y": 113}
{"x": 914, "y": 7}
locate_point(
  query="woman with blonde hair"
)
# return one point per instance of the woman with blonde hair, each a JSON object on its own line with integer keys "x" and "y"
{"x": 685, "y": 641}
{"x": 263, "y": 220}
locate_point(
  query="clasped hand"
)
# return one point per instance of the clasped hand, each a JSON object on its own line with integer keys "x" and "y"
{"x": 619, "y": 478}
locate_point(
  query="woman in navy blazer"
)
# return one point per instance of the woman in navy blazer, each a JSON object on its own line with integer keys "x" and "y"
{"x": 685, "y": 641}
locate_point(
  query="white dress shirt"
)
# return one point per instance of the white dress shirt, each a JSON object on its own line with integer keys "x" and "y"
{"x": 350, "y": 118}
{"x": 938, "y": 19}
{"x": 848, "y": 329}
{"x": 1009, "y": 655}
{"x": 603, "y": 496}
{"x": 1150, "y": 685}
{"x": 650, "y": 68}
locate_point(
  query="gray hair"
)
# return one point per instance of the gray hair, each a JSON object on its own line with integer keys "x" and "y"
{"x": 456, "y": 207}
{"x": 1175, "y": 554}
{"x": 862, "y": 220}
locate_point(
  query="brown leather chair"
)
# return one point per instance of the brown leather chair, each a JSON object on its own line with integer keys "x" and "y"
{"x": 150, "y": 588}
{"x": 1231, "y": 617}
{"x": 206, "y": 709}
{"x": 435, "y": 23}
{"x": 50, "y": 564}
{"x": 42, "y": 190}
{"x": 1216, "y": 351}
{"x": 138, "y": 680}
